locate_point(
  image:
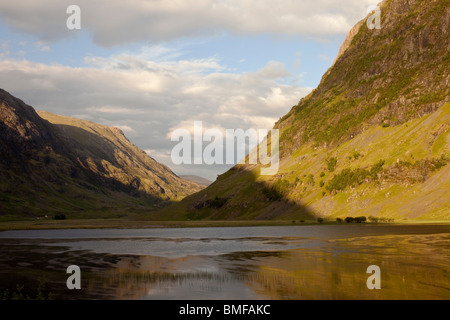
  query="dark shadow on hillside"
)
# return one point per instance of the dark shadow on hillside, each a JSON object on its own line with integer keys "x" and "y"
{"x": 83, "y": 147}
{"x": 43, "y": 182}
{"x": 237, "y": 195}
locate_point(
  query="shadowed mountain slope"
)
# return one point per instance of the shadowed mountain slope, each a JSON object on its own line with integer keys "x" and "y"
{"x": 54, "y": 164}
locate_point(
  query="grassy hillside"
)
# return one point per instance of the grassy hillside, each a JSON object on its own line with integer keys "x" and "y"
{"x": 392, "y": 172}
{"x": 371, "y": 139}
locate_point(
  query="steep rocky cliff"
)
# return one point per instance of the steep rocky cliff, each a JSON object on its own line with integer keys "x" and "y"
{"x": 371, "y": 139}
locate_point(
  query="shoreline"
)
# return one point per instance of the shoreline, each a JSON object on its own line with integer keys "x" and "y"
{"x": 137, "y": 224}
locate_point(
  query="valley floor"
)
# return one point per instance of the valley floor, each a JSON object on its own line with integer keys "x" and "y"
{"x": 137, "y": 224}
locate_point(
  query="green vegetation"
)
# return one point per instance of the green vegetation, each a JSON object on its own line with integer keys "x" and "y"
{"x": 19, "y": 293}
{"x": 353, "y": 177}
{"x": 331, "y": 164}
{"x": 217, "y": 202}
{"x": 360, "y": 219}
{"x": 431, "y": 97}
{"x": 277, "y": 191}
{"x": 356, "y": 155}
{"x": 376, "y": 169}
{"x": 439, "y": 163}
{"x": 423, "y": 167}
{"x": 349, "y": 219}
{"x": 347, "y": 178}
{"x": 379, "y": 219}
{"x": 310, "y": 179}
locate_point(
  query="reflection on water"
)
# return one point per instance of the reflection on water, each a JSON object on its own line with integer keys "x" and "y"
{"x": 324, "y": 262}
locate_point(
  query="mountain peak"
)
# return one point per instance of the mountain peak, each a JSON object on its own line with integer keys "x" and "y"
{"x": 53, "y": 163}
{"x": 394, "y": 74}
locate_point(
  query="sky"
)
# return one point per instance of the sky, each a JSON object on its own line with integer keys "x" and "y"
{"x": 150, "y": 67}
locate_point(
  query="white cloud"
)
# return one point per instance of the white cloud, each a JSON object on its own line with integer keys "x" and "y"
{"x": 126, "y": 129}
{"x": 82, "y": 116}
{"x": 155, "y": 90}
{"x": 148, "y": 98}
{"x": 159, "y": 156}
{"x": 114, "y": 110}
{"x": 114, "y": 22}
{"x": 42, "y": 46}
{"x": 4, "y": 51}
{"x": 45, "y": 48}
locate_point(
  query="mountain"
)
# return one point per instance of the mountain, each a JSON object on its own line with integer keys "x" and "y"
{"x": 198, "y": 180}
{"x": 371, "y": 139}
{"x": 53, "y": 164}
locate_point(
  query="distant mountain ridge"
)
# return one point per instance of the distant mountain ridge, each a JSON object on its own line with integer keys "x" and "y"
{"x": 55, "y": 164}
{"x": 198, "y": 180}
{"x": 371, "y": 139}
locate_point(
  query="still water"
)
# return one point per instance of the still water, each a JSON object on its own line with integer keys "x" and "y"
{"x": 295, "y": 262}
